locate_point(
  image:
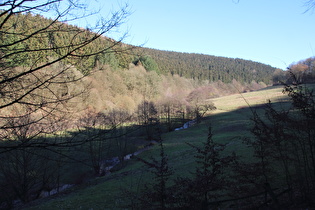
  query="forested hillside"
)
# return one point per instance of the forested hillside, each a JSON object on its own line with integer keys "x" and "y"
{"x": 76, "y": 105}
{"x": 120, "y": 81}
{"x": 194, "y": 66}
{"x": 212, "y": 68}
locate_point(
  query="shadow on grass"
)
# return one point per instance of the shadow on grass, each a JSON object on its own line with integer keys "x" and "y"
{"x": 228, "y": 127}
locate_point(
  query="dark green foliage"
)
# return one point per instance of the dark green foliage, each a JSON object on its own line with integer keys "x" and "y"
{"x": 212, "y": 68}
{"x": 201, "y": 191}
{"x": 107, "y": 58}
{"x": 210, "y": 177}
{"x": 28, "y": 40}
{"x": 196, "y": 66}
{"x": 148, "y": 63}
{"x": 54, "y": 42}
{"x": 156, "y": 194}
{"x": 284, "y": 147}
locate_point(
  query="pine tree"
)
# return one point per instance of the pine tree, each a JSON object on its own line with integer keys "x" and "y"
{"x": 156, "y": 194}
{"x": 209, "y": 178}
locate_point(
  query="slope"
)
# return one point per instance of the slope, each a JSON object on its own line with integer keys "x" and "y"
{"x": 208, "y": 67}
{"x": 230, "y": 125}
{"x": 120, "y": 55}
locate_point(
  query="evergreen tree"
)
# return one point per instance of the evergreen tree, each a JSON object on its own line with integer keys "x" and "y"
{"x": 284, "y": 150}
{"x": 157, "y": 194}
{"x": 209, "y": 180}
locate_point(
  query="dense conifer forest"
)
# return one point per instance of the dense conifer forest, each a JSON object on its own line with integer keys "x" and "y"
{"x": 194, "y": 66}
{"x": 212, "y": 68}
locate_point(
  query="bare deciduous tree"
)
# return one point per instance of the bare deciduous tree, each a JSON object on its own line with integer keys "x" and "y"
{"x": 25, "y": 172}
{"x": 310, "y": 4}
{"x": 39, "y": 62}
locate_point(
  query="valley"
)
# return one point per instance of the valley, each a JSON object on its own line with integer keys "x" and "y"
{"x": 230, "y": 123}
{"x": 99, "y": 124}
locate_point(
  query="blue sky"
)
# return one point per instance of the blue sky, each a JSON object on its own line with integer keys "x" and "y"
{"x": 275, "y": 32}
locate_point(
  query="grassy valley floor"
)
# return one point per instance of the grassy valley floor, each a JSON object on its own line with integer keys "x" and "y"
{"x": 230, "y": 124}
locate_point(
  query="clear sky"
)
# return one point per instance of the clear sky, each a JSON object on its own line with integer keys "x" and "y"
{"x": 274, "y": 32}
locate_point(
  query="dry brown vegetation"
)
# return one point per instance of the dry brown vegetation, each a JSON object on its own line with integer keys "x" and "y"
{"x": 124, "y": 89}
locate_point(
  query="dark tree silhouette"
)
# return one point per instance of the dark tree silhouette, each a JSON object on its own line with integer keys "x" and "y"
{"x": 156, "y": 194}
{"x": 41, "y": 62}
{"x": 284, "y": 150}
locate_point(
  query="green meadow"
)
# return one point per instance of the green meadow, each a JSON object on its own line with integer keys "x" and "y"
{"x": 230, "y": 124}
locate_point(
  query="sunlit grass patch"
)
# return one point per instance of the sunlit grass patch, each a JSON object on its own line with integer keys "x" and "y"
{"x": 244, "y": 100}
